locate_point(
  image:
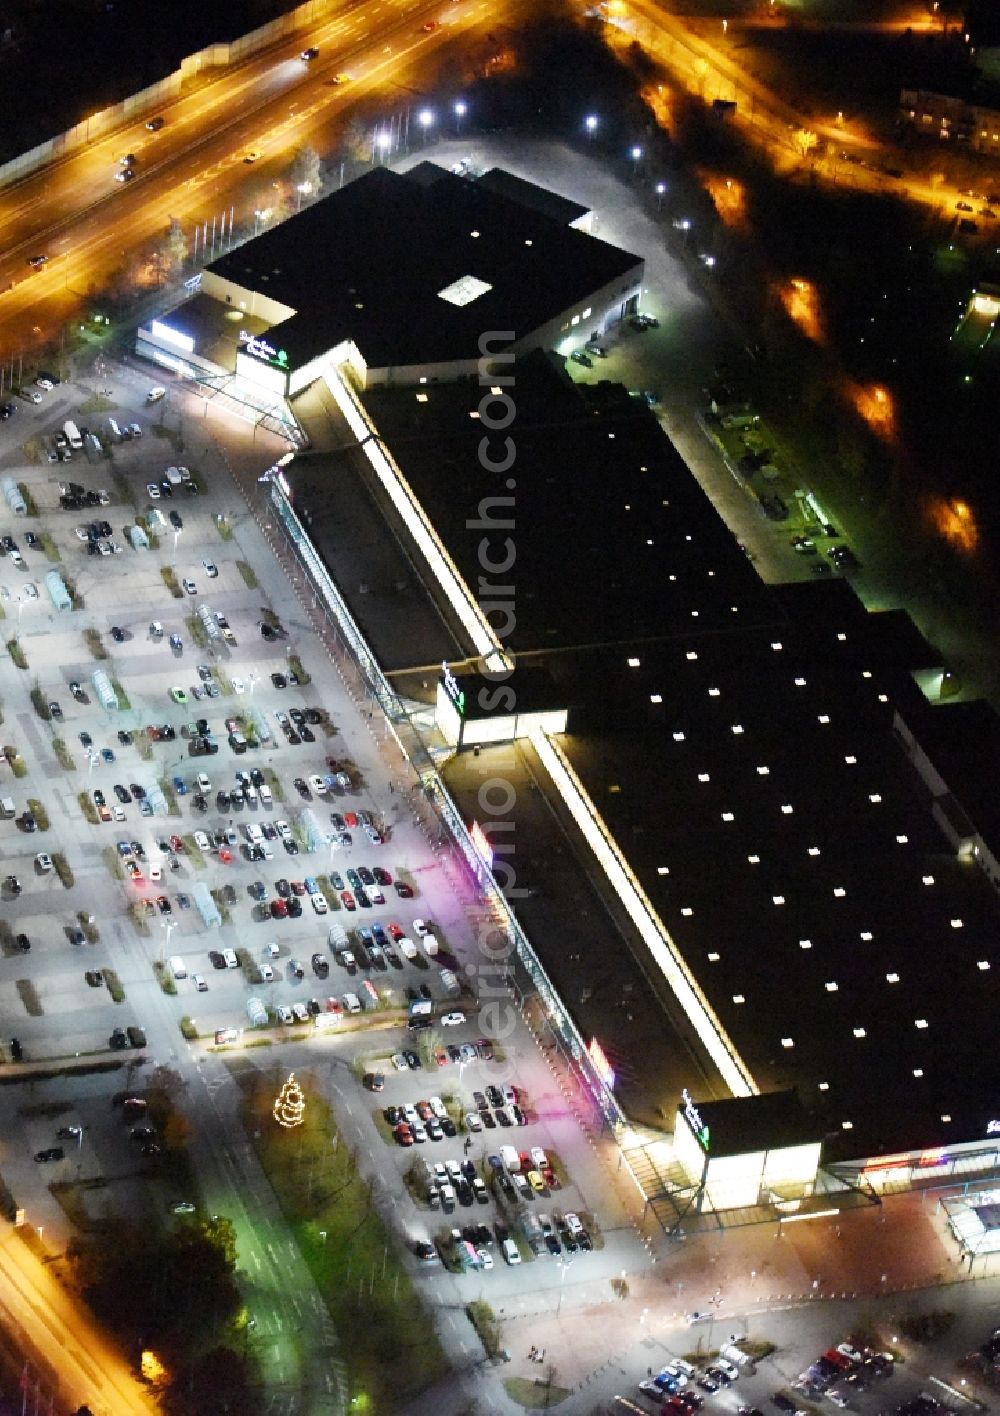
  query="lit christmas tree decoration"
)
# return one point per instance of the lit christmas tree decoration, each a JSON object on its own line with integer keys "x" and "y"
{"x": 290, "y": 1104}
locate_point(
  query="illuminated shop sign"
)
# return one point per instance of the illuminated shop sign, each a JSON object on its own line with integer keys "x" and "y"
{"x": 451, "y": 688}
{"x": 172, "y": 336}
{"x": 479, "y": 839}
{"x": 602, "y": 1066}
{"x": 693, "y": 1117}
{"x": 260, "y": 349}
{"x": 993, "y": 1129}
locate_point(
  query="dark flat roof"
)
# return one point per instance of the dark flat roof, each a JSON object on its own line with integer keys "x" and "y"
{"x": 738, "y": 741}
{"x": 751, "y": 1123}
{"x": 963, "y": 742}
{"x": 530, "y": 194}
{"x": 368, "y": 263}
{"x": 613, "y": 534}
{"x": 215, "y": 328}
{"x": 789, "y": 848}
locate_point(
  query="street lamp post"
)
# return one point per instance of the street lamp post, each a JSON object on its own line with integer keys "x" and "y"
{"x": 636, "y": 155}
{"x": 426, "y": 120}
{"x": 564, "y": 1266}
{"x": 460, "y": 110}
{"x": 591, "y": 124}
{"x": 168, "y": 925}
{"x": 661, "y": 188}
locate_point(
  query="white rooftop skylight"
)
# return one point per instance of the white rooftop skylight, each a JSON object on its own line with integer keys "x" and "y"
{"x": 464, "y": 290}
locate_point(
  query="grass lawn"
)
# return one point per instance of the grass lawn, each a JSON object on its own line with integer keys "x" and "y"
{"x": 535, "y": 1393}
{"x": 388, "y": 1338}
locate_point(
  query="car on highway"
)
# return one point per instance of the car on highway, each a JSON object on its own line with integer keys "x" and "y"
{"x": 251, "y": 156}
{"x": 309, "y": 54}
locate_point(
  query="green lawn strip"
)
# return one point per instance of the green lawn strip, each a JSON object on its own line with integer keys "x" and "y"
{"x": 351, "y": 1255}
{"x": 163, "y": 975}
{"x": 169, "y": 577}
{"x": 63, "y": 869}
{"x": 28, "y": 995}
{"x": 535, "y": 1393}
{"x": 114, "y": 985}
{"x": 88, "y": 923}
{"x": 15, "y": 762}
{"x": 484, "y": 1320}
{"x": 31, "y": 506}
{"x": 95, "y": 644}
{"x": 194, "y": 853}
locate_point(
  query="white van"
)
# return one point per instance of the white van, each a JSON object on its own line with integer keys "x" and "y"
{"x": 406, "y": 947}
{"x": 511, "y": 1253}
{"x": 178, "y": 967}
{"x": 7, "y": 808}
{"x": 511, "y": 1159}
{"x": 266, "y": 798}
{"x": 115, "y": 431}
{"x": 352, "y": 1003}
{"x": 72, "y": 433}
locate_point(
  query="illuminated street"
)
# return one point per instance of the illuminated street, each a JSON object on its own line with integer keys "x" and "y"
{"x": 89, "y": 1369}
{"x": 192, "y": 169}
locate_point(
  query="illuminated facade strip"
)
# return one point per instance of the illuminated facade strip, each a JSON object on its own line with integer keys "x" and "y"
{"x": 652, "y": 930}
{"x": 474, "y": 622}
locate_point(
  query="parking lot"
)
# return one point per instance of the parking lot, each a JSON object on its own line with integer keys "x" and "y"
{"x": 232, "y": 859}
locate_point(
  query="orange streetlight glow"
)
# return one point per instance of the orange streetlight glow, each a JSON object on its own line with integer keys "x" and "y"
{"x": 955, "y": 522}
{"x": 800, "y": 299}
{"x": 729, "y": 197}
{"x": 875, "y": 405}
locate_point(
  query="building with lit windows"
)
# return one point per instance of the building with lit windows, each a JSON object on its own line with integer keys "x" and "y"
{"x": 951, "y": 120}
{"x": 786, "y": 905}
{"x": 756, "y": 867}
{"x": 395, "y": 279}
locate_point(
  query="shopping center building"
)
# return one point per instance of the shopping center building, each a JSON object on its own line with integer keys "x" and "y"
{"x": 395, "y": 279}
{"x": 757, "y": 879}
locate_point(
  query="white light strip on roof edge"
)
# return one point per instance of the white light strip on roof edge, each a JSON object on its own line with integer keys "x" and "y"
{"x": 697, "y": 1008}
{"x": 475, "y": 623}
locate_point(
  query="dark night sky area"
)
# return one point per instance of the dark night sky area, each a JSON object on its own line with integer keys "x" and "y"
{"x": 70, "y": 58}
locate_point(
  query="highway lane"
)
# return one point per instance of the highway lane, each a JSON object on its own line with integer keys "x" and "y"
{"x": 86, "y": 223}
{"x": 211, "y": 103}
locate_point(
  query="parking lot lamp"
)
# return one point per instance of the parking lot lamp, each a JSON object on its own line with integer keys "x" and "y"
{"x": 564, "y": 1265}
{"x": 168, "y": 926}
{"x": 591, "y": 123}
